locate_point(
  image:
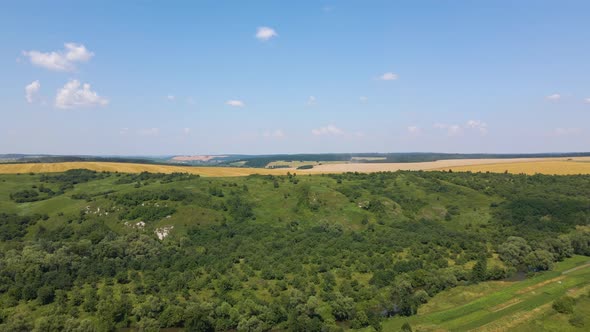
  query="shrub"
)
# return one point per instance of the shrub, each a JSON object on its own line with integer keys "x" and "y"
{"x": 577, "y": 320}
{"x": 564, "y": 305}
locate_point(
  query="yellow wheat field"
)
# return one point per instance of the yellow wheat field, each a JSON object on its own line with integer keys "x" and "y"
{"x": 559, "y": 166}
{"x": 134, "y": 168}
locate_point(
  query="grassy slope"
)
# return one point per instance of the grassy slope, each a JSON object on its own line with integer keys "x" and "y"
{"x": 498, "y": 306}
{"x": 489, "y": 305}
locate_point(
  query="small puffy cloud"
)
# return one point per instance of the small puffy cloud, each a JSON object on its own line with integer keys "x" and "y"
{"x": 327, "y": 130}
{"x": 74, "y": 95}
{"x": 481, "y": 126}
{"x": 265, "y": 33}
{"x": 123, "y": 131}
{"x": 587, "y": 100}
{"x": 454, "y": 130}
{"x": 567, "y": 131}
{"x": 149, "y": 132}
{"x": 186, "y": 131}
{"x": 235, "y": 103}
{"x": 311, "y": 100}
{"x": 274, "y": 134}
{"x": 414, "y": 130}
{"x": 363, "y": 99}
{"x": 553, "y": 97}
{"x": 31, "y": 91}
{"x": 171, "y": 97}
{"x": 77, "y": 52}
{"x": 64, "y": 60}
{"x": 451, "y": 129}
{"x": 388, "y": 77}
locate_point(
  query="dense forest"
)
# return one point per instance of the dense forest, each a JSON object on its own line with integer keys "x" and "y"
{"x": 88, "y": 251}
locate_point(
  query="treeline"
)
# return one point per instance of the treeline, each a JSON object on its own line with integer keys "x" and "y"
{"x": 146, "y": 176}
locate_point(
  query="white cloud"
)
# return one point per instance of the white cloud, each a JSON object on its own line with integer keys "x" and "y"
{"x": 587, "y": 100}
{"x": 414, "y": 131}
{"x": 454, "y": 130}
{"x": 149, "y": 132}
{"x": 554, "y": 97}
{"x": 265, "y": 33}
{"x": 31, "y": 91}
{"x": 72, "y": 96}
{"x": 171, "y": 97}
{"x": 567, "y": 131}
{"x": 451, "y": 129}
{"x": 363, "y": 99}
{"x": 274, "y": 134}
{"x": 327, "y": 130}
{"x": 235, "y": 103}
{"x": 311, "y": 100}
{"x": 388, "y": 77}
{"x": 123, "y": 131}
{"x": 186, "y": 131}
{"x": 481, "y": 126}
{"x": 64, "y": 60}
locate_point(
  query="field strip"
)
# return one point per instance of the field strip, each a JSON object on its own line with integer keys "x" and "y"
{"x": 513, "y": 320}
{"x": 506, "y": 304}
{"x": 576, "y": 268}
{"x": 539, "y": 285}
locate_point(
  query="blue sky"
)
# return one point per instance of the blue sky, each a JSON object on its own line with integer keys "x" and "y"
{"x": 214, "y": 77}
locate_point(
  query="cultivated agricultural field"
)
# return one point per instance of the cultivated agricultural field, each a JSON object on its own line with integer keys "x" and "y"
{"x": 564, "y": 166}
{"x": 556, "y": 166}
{"x": 83, "y": 250}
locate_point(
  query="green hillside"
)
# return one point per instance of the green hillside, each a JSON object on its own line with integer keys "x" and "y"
{"x": 88, "y": 251}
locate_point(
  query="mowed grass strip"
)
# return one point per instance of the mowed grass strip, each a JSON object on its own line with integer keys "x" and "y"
{"x": 134, "y": 168}
{"x": 482, "y": 314}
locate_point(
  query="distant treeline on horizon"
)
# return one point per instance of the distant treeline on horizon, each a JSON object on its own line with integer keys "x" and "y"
{"x": 264, "y": 160}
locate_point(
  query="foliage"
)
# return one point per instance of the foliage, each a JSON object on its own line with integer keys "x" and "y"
{"x": 300, "y": 253}
{"x": 564, "y": 305}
